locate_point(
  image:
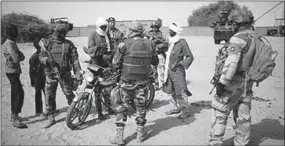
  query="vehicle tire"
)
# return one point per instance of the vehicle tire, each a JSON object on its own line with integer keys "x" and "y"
{"x": 150, "y": 94}
{"x": 272, "y": 33}
{"x": 217, "y": 41}
{"x": 81, "y": 113}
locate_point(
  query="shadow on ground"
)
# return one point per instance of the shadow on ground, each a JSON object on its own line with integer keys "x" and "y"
{"x": 43, "y": 118}
{"x": 267, "y": 128}
{"x": 167, "y": 123}
{"x": 157, "y": 104}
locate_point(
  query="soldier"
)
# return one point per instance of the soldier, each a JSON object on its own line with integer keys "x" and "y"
{"x": 233, "y": 91}
{"x": 98, "y": 47}
{"x": 160, "y": 41}
{"x": 178, "y": 58}
{"x": 60, "y": 53}
{"x": 13, "y": 56}
{"x": 134, "y": 57}
{"x": 222, "y": 20}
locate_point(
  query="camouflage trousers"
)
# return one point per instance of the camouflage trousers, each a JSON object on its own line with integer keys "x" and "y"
{"x": 138, "y": 95}
{"x": 51, "y": 88}
{"x": 160, "y": 70}
{"x": 222, "y": 106}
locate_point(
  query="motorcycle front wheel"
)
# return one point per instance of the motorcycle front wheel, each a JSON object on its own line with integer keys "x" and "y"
{"x": 78, "y": 111}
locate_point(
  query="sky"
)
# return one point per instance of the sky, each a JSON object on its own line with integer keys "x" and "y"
{"x": 85, "y": 13}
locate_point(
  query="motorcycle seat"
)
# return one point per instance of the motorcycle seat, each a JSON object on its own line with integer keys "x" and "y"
{"x": 107, "y": 83}
{"x": 94, "y": 67}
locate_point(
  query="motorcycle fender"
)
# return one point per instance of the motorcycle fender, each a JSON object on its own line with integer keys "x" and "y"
{"x": 80, "y": 96}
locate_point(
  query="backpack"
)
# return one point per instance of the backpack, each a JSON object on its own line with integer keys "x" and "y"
{"x": 264, "y": 59}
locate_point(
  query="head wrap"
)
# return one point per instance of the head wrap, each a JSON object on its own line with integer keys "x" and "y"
{"x": 101, "y": 22}
{"x": 176, "y": 28}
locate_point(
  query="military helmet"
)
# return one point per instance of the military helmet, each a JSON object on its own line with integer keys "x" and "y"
{"x": 136, "y": 26}
{"x": 239, "y": 16}
{"x": 156, "y": 23}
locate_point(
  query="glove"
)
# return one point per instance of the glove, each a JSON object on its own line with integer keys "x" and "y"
{"x": 155, "y": 41}
{"x": 102, "y": 45}
{"x": 50, "y": 62}
{"x": 220, "y": 89}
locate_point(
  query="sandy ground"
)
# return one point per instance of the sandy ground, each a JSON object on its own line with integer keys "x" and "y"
{"x": 267, "y": 108}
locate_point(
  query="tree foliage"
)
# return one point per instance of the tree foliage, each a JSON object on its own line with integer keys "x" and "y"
{"x": 205, "y": 15}
{"x": 23, "y": 21}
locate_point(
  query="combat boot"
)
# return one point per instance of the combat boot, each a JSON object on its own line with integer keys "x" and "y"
{"x": 51, "y": 120}
{"x": 141, "y": 134}
{"x": 16, "y": 122}
{"x": 118, "y": 137}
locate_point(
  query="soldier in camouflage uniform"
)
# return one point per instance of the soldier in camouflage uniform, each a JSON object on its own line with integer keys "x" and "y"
{"x": 64, "y": 56}
{"x": 233, "y": 91}
{"x": 161, "y": 45}
{"x": 134, "y": 57}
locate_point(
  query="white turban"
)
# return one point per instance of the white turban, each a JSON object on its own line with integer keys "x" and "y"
{"x": 101, "y": 21}
{"x": 176, "y": 28}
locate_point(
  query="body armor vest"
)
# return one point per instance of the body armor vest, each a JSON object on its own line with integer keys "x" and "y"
{"x": 137, "y": 61}
{"x": 59, "y": 52}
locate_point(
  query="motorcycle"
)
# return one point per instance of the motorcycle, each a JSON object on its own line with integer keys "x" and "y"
{"x": 104, "y": 80}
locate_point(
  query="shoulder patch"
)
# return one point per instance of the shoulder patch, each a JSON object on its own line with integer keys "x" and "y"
{"x": 233, "y": 49}
{"x": 235, "y": 40}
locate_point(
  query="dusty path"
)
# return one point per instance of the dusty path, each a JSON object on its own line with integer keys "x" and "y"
{"x": 267, "y": 111}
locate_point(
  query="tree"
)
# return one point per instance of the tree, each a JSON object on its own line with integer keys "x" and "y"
{"x": 23, "y": 21}
{"x": 206, "y": 15}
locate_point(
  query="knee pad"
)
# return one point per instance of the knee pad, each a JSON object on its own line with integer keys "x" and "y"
{"x": 121, "y": 109}
{"x": 221, "y": 104}
{"x": 121, "y": 114}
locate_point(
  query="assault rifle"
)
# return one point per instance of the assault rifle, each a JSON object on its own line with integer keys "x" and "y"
{"x": 220, "y": 58}
{"x": 214, "y": 81}
{"x": 155, "y": 38}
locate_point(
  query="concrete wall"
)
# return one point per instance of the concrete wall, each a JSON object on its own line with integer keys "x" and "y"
{"x": 187, "y": 31}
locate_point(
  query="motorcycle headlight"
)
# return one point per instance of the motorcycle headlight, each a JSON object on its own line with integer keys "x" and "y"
{"x": 88, "y": 76}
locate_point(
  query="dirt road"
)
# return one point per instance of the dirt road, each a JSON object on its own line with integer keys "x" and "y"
{"x": 267, "y": 108}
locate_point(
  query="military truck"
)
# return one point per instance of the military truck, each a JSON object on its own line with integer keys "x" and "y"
{"x": 62, "y": 20}
{"x": 276, "y": 31}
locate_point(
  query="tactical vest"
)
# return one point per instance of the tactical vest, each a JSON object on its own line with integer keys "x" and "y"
{"x": 59, "y": 52}
{"x": 247, "y": 53}
{"x": 137, "y": 61}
